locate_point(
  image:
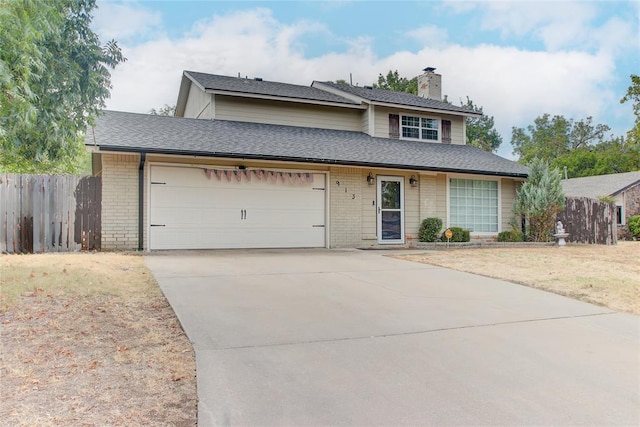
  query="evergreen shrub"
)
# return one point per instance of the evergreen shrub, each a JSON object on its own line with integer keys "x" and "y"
{"x": 429, "y": 229}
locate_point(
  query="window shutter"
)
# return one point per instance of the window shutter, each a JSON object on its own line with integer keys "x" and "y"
{"x": 446, "y": 131}
{"x": 394, "y": 126}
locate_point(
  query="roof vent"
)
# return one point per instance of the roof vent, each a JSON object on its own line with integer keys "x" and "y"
{"x": 258, "y": 79}
{"x": 368, "y": 87}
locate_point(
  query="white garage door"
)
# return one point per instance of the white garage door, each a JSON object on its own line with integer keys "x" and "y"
{"x": 198, "y": 208}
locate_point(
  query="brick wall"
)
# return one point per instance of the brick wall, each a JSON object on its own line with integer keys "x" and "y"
{"x": 632, "y": 202}
{"x": 346, "y": 207}
{"x": 120, "y": 201}
{"x": 353, "y": 207}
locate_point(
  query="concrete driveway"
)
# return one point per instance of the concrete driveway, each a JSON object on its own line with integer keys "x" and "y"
{"x": 320, "y": 337}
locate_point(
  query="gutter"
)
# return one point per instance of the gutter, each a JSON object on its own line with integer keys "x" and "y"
{"x": 312, "y": 160}
{"x": 143, "y": 158}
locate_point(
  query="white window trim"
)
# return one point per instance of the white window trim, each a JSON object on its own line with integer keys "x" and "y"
{"x": 477, "y": 178}
{"x": 438, "y": 119}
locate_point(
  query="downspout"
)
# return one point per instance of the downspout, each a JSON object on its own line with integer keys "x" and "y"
{"x": 143, "y": 157}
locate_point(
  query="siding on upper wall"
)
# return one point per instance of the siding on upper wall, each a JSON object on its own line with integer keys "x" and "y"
{"x": 382, "y": 122}
{"x": 199, "y": 104}
{"x": 287, "y": 113}
{"x": 365, "y": 121}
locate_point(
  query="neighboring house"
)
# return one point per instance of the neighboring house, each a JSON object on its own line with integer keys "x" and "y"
{"x": 248, "y": 163}
{"x": 623, "y": 187}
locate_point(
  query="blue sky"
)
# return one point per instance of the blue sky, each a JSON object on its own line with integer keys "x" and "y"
{"x": 517, "y": 59}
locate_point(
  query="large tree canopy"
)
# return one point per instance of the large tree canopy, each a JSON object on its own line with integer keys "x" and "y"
{"x": 481, "y": 132}
{"x": 633, "y": 95}
{"x": 582, "y": 147}
{"x": 54, "y": 78}
{"x": 550, "y": 137}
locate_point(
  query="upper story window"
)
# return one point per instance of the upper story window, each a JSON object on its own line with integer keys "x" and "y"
{"x": 420, "y": 128}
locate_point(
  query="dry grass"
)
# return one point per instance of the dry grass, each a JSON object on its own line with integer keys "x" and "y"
{"x": 89, "y": 339}
{"x": 603, "y": 275}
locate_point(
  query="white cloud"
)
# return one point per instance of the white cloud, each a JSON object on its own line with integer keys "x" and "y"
{"x": 121, "y": 21}
{"x": 461, "y": 6}
{"x": 557, "y": 24}
{"x": 514, "y": 85}
{"x": 429, "y": 35}
{"x": 616, "y": 36}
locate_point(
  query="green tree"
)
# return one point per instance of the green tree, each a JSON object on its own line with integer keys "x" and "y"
{"x": 54, "y": 79}
{"x": 551, "y": 137}
{"x": 539, "y": 200}
{"x": 633, "y": 95}
{"x": 613, "y": 156}
{"x": 481, "y": 132}
{"x": 166, "y": 110}
{"x": 393, "y": 81}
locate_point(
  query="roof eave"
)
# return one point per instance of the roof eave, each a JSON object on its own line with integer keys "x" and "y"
{"x": 625, "y": 188}
{"x": 337, "y": 91}
{"x": 123, "y": 149}
{"x": 425, "y": 109}
{"x": 285, "y": 99}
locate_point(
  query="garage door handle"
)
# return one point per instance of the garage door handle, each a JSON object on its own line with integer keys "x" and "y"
{"x": 243, "y": 214}
{"x": 157, "y": 225}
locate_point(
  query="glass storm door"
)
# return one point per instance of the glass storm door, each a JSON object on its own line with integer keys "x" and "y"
{"x": 390, "y": 209}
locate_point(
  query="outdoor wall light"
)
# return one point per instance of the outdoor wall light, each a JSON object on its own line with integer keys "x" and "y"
{"x": 413, "y": 181}
{"x": 370, "y": 179}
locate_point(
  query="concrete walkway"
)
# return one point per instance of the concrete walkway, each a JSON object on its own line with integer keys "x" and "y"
{"x": 320, "y": 337}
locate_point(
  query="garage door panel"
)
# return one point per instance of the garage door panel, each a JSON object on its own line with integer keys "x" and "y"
{"x": 188, "y": 210}
{"x": 194, "y": 216}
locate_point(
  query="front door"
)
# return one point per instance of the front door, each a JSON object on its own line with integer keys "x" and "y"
{"x": 390, "y": 209}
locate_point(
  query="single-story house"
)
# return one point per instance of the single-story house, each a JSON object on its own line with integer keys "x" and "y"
{"x": 623, "y": 187}
{"x": 248, "y": 163}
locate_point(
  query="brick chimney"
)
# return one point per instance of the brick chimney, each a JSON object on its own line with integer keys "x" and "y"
{"x": 430, "y": 84}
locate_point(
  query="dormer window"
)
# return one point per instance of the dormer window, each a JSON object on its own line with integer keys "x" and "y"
{"x": 420, "y": 128}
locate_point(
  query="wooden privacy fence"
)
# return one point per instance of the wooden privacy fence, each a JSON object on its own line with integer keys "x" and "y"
{"x": 47, "y": 213}
{"x": 589, "y": 221}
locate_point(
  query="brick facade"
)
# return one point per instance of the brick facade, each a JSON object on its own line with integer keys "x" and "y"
{"x": 632, "y": 202}
{"x": 345, "y": 207}
{"x": 352, "y": 204}
{"x": 120, "y": 201}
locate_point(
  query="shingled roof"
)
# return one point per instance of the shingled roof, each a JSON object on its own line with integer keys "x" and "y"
{"x": 240, "y": 85}
{"x": 600, "y": 185}
{"x": 398, "y": 98}
{"x": 131, "y": 132}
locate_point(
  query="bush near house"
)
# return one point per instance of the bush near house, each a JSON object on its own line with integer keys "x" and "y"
{"x": 459, "y": 235}
{"x": 429, "y": 229}
{"x": 510, "y": 236}
{"x": 633, "y": 223}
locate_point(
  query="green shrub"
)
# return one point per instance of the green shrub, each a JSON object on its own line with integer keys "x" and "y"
{"x": 633, "y": 223}
{"x": 510, "y": 236}
{"x": 459, "y": 235}
{"x": 429, "y": 229}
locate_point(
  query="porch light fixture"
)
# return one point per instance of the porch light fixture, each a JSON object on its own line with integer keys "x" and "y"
{"x": 370, "y": 179}
{"x": 413, "y": 181}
